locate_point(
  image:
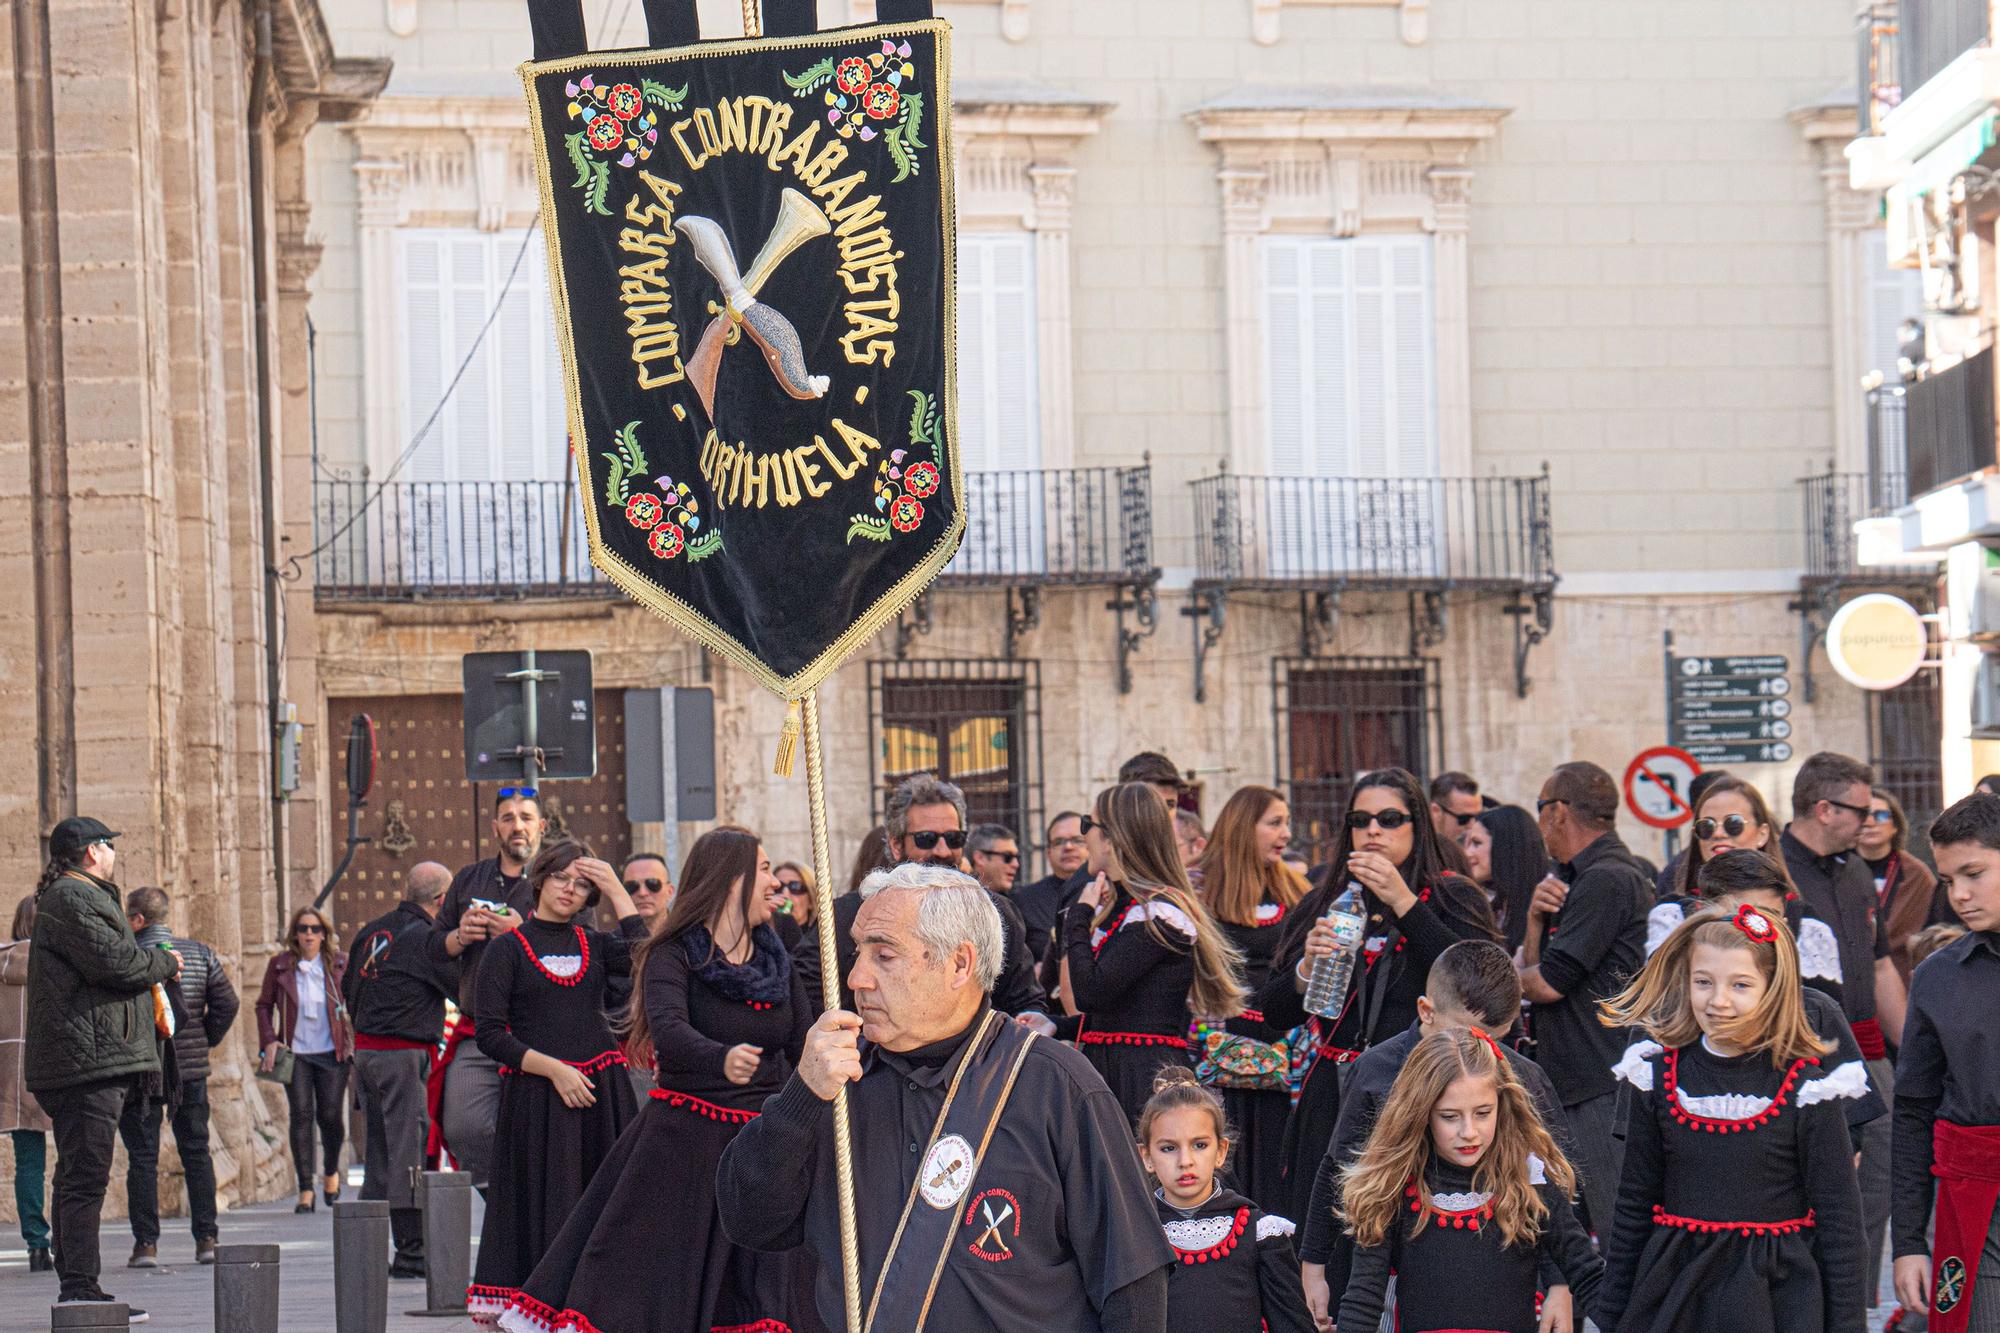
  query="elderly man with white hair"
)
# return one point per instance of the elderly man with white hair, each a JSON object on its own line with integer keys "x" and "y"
{"x": 995, "y": 1178}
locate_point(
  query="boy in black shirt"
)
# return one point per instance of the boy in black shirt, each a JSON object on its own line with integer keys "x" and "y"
{"x": 1946, "y": 1144}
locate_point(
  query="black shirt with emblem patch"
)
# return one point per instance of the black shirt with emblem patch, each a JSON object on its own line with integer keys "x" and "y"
{"x": 1948, "y": 1069}
{"x": 1076, "y": 1222}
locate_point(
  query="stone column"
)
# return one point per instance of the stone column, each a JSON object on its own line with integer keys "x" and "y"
{"x": 1452, "y": 213}
{"x": 1054, "y": 190}
{"x": 381, "y": 183}
{"x": 1245, "y": 190}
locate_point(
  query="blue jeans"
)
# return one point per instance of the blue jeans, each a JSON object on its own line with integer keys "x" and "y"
{"x": 31, "y": 1149}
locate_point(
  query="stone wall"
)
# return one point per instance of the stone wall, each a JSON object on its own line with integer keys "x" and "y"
{"x": 153, "y": 130}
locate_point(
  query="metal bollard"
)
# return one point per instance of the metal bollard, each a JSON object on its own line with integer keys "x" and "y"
{"x": 246, "y": 1289}
{"x": 95, "y": 1317}
{"x": 361, "y": 1266}
{"x": 446, "y": 1198}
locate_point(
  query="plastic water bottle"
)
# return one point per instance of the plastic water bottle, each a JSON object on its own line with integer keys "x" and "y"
{"x": 1326, "y": 987}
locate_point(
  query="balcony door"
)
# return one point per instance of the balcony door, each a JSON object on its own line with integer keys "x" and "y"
{"x": 999, "y": 408}
{"x": 1351, "y": 408}
{"x": 484, "y": 499}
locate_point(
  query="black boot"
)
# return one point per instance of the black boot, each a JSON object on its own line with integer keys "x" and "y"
{"x": 406, "y": 1229}
{"x": 40, "y": 1260}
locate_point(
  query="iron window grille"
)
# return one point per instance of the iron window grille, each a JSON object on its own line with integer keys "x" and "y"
{"x": 1335, "y": 718}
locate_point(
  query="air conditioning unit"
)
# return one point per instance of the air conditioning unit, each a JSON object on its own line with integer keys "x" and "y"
{"x": 1986, "y": 699}
{"x": 1982, "y": 619}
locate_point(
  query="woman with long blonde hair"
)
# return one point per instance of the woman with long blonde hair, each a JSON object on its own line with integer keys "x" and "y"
{"x": 1139, "y": 949}
{"x": 1461, "y": 1192}
{"x": 1246, "y": 886}
{"x": 1738, "y": 1206}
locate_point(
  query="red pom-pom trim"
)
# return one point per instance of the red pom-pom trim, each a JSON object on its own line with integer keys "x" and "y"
{"x": 590, "y": 1066}
{"x": 681, "y": 1101}
{"x": 582, "y": 967}
{"x": 1790, "y": 1226}
{"x": 1110, "y": 929}
{"x": 1460, "y": 1219}
{"x": 1709, "y": 1125}
{"x": 1131, "y": 1039}
{"x": 1221, "y": 1248}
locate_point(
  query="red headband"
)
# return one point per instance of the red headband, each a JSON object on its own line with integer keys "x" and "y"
{"x": 1494, "y": 1045}
{"x": 1755, "y": 925}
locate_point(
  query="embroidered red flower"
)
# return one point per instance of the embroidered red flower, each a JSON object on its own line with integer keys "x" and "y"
{"x": 1755, "y": 925}
{"x": 642, "y": 511}
{"x": 667, "y": 541}
{"x": 605, "y": 133}
{"x": 853, "y": 74}
{"x": 921, "y": 480}
{"x": 881, "y": 101}
{"x": 624, "y": 101}
{"x": 906, "y": 514}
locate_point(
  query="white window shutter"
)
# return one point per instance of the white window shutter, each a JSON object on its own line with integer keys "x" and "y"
{"x": 1016, "y": 442}
{"x": 513, "y": 351}
{"x": 975, "y": 336}
{"x": 470, "y": 411}
{"x": 1375, "y": 368}
{"x": 423, "y": 355}
{"x": 1330, "y": 351}
{"x": 1889, "y": 296}
{"x": 1414, "y": 342}
{"x": 1287, "y": 344}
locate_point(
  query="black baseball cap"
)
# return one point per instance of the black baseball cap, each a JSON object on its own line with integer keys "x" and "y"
{"x": 76, "y": 833}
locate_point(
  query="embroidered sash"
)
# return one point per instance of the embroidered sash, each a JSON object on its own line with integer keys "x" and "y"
{"x": 973, "y": 1102}
{"x": 1967, "y": 1167}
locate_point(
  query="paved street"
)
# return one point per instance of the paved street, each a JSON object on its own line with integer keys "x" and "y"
{"x": 181, "y": 1295}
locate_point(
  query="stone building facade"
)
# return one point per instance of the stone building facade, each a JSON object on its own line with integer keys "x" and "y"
{"x": 1595, "y": 291}
{"x": 153, "y": 267}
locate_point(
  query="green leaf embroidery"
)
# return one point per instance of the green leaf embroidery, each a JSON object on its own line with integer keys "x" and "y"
{"x": 913, "y": 119}
{"x": 600, "y": 186}
{"x": 578, "y": 159}
{"x": 906, "y": 165}
{"x": 704, "y": 546}
{"x": 920, "y": 417}
{"x": 668, "y": 99}
{"x": 615, "y": 491}
{"x": 808, "y": 79}
{"x": 874, "y": 529}
{"x": 628, "y": 444}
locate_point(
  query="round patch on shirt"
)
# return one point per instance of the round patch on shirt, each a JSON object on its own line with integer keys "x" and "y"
{"x": 946, "y": 1173}
{"x": 994, "y": 1219}
{"x": 1950, "y": 1284}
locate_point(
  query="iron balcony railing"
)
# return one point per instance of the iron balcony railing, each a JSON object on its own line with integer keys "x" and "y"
{"x": 409, "y": 540}
{"x": 1834, "y": 501}
{"x": 1056, "y": 525}
{"x": 1875, "y": 58}
{"x": 1930, "y": 34}
{"x": 1398, "y": 531}
{"x": 500, "y": 539}
{"x": 1885, "y": 413}
{"x": 1949, "y": 430}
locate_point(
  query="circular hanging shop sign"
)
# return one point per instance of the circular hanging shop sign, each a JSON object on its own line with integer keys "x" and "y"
{"x": 1876, "y": 641}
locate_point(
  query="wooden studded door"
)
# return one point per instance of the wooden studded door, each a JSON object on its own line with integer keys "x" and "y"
{"x": 423, "y": 809}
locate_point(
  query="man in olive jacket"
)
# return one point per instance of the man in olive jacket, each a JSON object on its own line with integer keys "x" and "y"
{"x": 91, "y": 1036}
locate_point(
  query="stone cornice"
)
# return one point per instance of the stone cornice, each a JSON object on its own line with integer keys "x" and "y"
{"x": 1449, "y": 125}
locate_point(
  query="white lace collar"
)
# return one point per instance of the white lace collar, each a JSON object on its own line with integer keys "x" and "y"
{"x": 1199, "y": 1233}
{"x": 561, "y": 964}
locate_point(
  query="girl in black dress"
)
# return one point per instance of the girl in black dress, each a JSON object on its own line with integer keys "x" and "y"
{"x": 1415, "y": 911}
{"x": 1463, "y": 1194}
{"x": 723, "y": 1014}
{"x": 1139, "y": 949}
{"x": 1248, "y": 888}
{"x": 538, "y": 1008}
{"x": 1237, "y": 1272}
{"x": 1738, "y": 1207}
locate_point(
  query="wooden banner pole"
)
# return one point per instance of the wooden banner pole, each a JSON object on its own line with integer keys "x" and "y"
{"x": 829, "y": 979}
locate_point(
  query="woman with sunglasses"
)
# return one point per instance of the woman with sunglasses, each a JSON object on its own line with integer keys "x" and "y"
{"x": 1246, "y": 884}
{"x": 792, "y": 902}
{"x": 538, "y": 1013}
{"x": 1730, "y": 816}
{"x": 1415, "y": 910}
{"x": 1139, "y": 949}
{"x": 722, "y": 1014}
{"x": 299, "y": 1007}
{"x": 1905, "y": 888}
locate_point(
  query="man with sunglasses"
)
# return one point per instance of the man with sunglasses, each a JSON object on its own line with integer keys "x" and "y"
{"x": 652, "y": 888}
{"x": 466, "y": 921}
{"x": 995, "y": 857}
{"x": 1454, "y": 805}
{"x": 1039, "y": 902}
{"x": 1830, "y": 799}
{"x": 925, "y": 823}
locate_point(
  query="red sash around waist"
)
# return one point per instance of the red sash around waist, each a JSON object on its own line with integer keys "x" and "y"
{"x": 1966, "y": 1163}
{"x": 434, "y": 1145}
{"x": 364, "y": 1042}
{"x": 1868, "y": 1036}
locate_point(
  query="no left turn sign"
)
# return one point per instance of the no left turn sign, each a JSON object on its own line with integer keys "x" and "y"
{"x": 1656, "y": 786}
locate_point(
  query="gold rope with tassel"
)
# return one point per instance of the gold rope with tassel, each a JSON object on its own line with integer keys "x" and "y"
{"x": 829, "y": 980}
{"x": 788, "y": 741}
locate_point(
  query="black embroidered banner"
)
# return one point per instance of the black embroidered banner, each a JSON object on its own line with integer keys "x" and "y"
{"x": 752, "y": 264}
